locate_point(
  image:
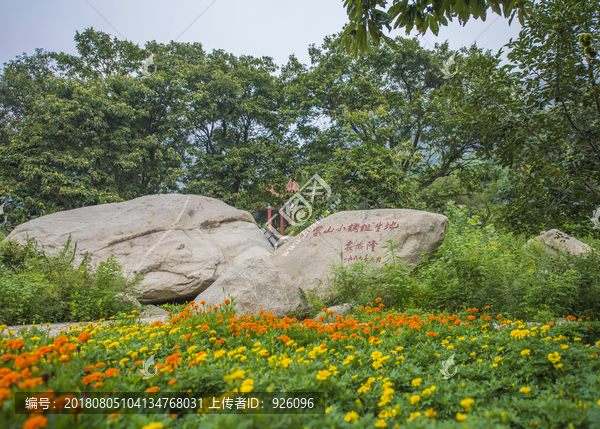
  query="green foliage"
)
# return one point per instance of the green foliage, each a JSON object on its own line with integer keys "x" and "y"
{"x": 37, "y": 288}
{"x": 367, "y": 21}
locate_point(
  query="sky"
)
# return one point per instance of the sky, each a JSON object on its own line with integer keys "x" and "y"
{"x": 274, "y": 28}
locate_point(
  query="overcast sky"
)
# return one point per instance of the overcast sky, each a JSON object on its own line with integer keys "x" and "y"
{"x": 275, "y": 28}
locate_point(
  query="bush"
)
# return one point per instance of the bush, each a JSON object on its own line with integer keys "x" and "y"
{"x": 37, "y": 288}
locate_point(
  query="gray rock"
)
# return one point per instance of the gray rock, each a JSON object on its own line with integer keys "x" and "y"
{"x": 352, "y": 236}
{"x": 340, "y": 310}
{"x": 180, "y": 244}
{"x": 153, "y": 310}
{"x": 282, "y": 241}
{"x": 555, "y": 241}
{"x": 256, "y": 284}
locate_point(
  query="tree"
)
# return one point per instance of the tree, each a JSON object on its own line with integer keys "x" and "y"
{"x": 383, "y": 127}
{"x": 238, "y": 125}
{"x": 367, "y": 21}
{"x": 550, "y": 133}
{"x": 80, "y": 130}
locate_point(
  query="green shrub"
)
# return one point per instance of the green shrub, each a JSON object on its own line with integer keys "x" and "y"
{"x": 36, "y": 288}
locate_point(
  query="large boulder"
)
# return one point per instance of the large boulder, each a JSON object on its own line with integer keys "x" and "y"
{"x": 358, "y": 236}
{"x": 555, "y": 241}
{"x": 180, "y": 244}
{"x": 256, "y": 284}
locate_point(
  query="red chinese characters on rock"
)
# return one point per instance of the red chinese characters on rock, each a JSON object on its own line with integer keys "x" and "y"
{"x": 350, "y": 246}
{"x": 365, "y": 258}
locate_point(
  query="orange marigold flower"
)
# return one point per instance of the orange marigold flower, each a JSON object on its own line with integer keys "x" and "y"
{"x": 59, "y": 341}
{"x": 83, "y": 337}
{"x": 458, "y": 322}
{"x": 31, "y": 383}
{"x": 470, "y": 317}
{"x": 499, "y": 316}
{"x": 172, "y": 381}
{"x": 111, "y": 372}
{"x": 98, "y": 384}
{"x": 44, "y": 350}
{"x": 95, "y": 376}
{"x": 173, "y": 359}
{"x": 10, "y": 378}
{"x": 15, "y": 344}
{"x": 487, "y": 307}
{"x": 36, "y": 422}
{"x": 113, "y": 415}
{"x": 153, "y": 389}
{"x": 227, "y": 301}
{"x": 377, "y": 299}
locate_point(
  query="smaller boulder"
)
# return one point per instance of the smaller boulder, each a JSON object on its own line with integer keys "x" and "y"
{"x": 339, "y": 310}
{"x": 153, "y": 310}
{"x": 555, "y": 241}
{"x": 256, "y": 284}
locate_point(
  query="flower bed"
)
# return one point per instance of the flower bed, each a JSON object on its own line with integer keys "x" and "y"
{"x": 378, "y": 368}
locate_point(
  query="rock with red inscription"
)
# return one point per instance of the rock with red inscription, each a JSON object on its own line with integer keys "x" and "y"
{"x": 354, "y": 236}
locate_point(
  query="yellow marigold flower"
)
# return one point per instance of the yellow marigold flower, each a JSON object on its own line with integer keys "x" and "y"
{"x": 414, "y": 399}
{"x": 461, "y": 338}
{"x": 525, "y": 352}
{"x": 564, "y": 346}
{"x": 416, "y": 382}
{"x": 191, "y": 349}
{"x": 156, "y": 425}
{"x": 143, "y": 349}
{"x": 430, "y": 413}
{"x": 239, "y": 374}
{"x": 413, "y": 416}
{"x": 122, "y": 361}
{"x": 352, "y": 416}
{"x": 247, "y": 386}
{"x": 286, "y": 362}
{"x": 461, "y": 417}
{"x": 381, "y": 424}
{"x": 525, "y": 389}
{"x": 558, "y": 366}
{"x": 218, "y": 353}
{"x": 376, "y": 355}
{"x": 495, "y": 365}
{"x": 322, "y": 375}
{"x": 450, "y": 347}
{"x": 574, "y": 339}
{"x": 554, "y": 357}
{"x": 497, "y": 359}
{"x": 466, "y": 403}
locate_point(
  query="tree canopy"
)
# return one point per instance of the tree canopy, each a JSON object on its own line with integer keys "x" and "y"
{"x": 369, "y": 17}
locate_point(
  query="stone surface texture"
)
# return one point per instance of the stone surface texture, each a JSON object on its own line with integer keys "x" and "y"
{"x": 180, "y": 244}
{"x": 354, "y": 236}
{"x": 552, "y": 243}
{"x": 256, "y": 284}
